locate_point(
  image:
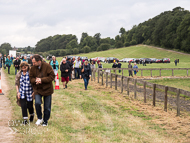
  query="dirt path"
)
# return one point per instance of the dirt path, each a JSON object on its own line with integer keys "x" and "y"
{"x": 6, "y": 135}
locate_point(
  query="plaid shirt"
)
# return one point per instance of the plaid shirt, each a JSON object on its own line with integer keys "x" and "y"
{"x": 25, "y": 87}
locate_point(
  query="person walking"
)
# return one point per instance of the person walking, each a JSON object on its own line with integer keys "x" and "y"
{"x": 1, "y": 61}
{"x": 114, "y": 66}
{"x": 71, "y": 68}
{"x": 65, "y": 71}
{"x": 25, "y": 92}
{"x": 130, "y": 69}
{"x": 41, "y": 77}
{"x": 17, "y": 64}
{"x": 86, "y": 73}
{"x": 4, "y": 61}
{"x": 8, "y": 63}
{"x": 73, "y": 71}
{"x": 93, "y": 65}
{"x": 135, "y": 68}
{"x": 119, "y": 66}
{"x": 77, "y": 66}
{"x": 25, "y": 59}
{"x": 30, "y": 61}
{"x": 175, "y": 62}
{"x": 55, "y": 65}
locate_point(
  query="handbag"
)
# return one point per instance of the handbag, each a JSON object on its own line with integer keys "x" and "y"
{"x": 18, "y": 101}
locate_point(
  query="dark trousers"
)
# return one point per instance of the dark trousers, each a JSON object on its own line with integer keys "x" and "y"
{"x": 130, "y": 73}
{"x": 9, "y": 69}
{"x": 119, "y": 71}
{"x": 77, "y": 73}
{"x": 47, "y": 107}
{"x": 26, "y": 105}
{"x": 69, "y": 76}
{"x": 86, "y": 82}
{"x": 16, "y": 69}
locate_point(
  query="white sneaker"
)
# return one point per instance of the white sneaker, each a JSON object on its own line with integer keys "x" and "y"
{"x": 39, "y": 121}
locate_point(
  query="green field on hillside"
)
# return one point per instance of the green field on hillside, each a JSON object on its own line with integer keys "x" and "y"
{"x": 141, "y": 51}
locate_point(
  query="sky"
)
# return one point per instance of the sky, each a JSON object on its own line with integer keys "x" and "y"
{"x": 25, "y": 22}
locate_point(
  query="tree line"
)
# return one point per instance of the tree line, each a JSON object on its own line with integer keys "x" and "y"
{"x": 170, "y": 29}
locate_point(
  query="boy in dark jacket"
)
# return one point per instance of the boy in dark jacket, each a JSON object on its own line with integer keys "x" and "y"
{"x": 65, "y": 71}
{"x": 119, "y": 66}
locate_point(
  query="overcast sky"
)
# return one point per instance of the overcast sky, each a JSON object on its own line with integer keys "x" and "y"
{"x": 25, "y": 22}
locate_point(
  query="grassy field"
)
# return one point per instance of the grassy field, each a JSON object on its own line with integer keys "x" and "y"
{"x": 104, "y": 115}
{"x": 94, "y": 116}
{"x": 142, "y": 51}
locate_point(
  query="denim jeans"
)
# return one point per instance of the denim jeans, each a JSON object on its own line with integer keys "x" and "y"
{"x": 77, "y": 73}
{"x": 86, "y": 82}
{"x": 9, "y": 69}
{"x": 16, "y": 69}
{"x": 0, "y": 65}
{"x": 47, "y": 107}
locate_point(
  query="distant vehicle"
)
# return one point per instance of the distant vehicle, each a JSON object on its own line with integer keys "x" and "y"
{"x": 102, "y": 59}
{"x": 83, "y": 58}
{"x": 159, "y": 61}
{"x": 166, "y": 60}
{"x": 127, "y": 60}
{"x": 111, "y": 59}
{"x": 147, "y": 60}
{"x": 153, "y": 60}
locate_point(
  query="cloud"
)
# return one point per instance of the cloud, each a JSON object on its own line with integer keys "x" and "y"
{"x": 24, "y": 22}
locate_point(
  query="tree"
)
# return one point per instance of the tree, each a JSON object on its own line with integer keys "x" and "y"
{"x": 75, "y": 51}
{"x": 5, "y": 47}
{"x": 97, "y": 37}
{"x": 118, "y": 44}
{"x": 86, "y": 49}
{"x": 105, "y": 46}
{"x": 122, "y": 30}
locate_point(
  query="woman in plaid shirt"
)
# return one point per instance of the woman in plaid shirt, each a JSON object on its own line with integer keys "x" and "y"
{"x": 25, "y": 91}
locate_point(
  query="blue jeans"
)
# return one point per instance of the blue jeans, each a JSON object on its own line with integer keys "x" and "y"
{"x": 86, "y": 82}
{"x": 77, "y": 73}
{"x": 9, "y": 69}
{"x": 0, "y": 65}
{"x": 16, "y": 69}
{"x": 47, "y": 107}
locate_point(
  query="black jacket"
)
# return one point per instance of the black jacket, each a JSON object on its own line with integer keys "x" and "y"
{"x": 119, "y": 65}
{"x": 87, "y": 71}
{"x": 70, "y": 65}
{"x": 17, "y": 62}
{"x": 114, "y": 65}
{"x": 30, "y": 62}
{"x": 64, "y": 67}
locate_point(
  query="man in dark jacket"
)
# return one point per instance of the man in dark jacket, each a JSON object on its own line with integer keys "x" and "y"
{"x": 85, "y": 73}
{"x": 71, "y": 67}
{"x": 65, "y": 71}
{"x": 30, "y": 61}
{"x": 114, "y": 66}
{"x": 41, "y": 77}
{"x": 4, "y": 61}
{"x": 17, "y": 64}
{"x": 119, "y": 66}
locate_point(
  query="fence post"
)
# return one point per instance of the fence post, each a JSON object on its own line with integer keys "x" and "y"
{"x": 151, "y": 72}
{"x": 135, "y": 91}
{"x": 172, "y": 72}
{"x": 102, "y": 78}
{"x": 144, "y": 91}
{"x": 111, "y": 80}
{"x": 98, "y": 75}
{"x": 127, "y": 86}
{"x": 178, "y": 104}
{"x": 141, "y": 72}
{"x": 106, "y": 79}
{"x": 115, "y": 81}
{"x": 187, "y": 72}
{"x": 166, "y": 99}
{"x": 154, "y": 94}
{"x": 160, "y": 72}
{"x": 122, "y": 84}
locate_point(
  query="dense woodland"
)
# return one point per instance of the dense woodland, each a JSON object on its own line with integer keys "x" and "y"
{"x": 170, "y": 29}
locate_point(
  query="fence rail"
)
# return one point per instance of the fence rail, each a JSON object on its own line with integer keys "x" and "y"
{"x": 109, "y": 76}
{"x": 150, "y": 69}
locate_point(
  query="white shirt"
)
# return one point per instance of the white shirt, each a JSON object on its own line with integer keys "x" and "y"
{"x": 77, "y": 64}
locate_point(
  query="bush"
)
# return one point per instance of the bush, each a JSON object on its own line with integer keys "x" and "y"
{"x": 127, "y": 44}
{"x": 99, "y": 48}
{"x": 86, "y": 49}
{"x": 105, "y": 46}
{"x": 62, "y": 53}
{"x": 133, "y": 42}
{"x": 119, "y": 44}
{"x": 75, "y": 51}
